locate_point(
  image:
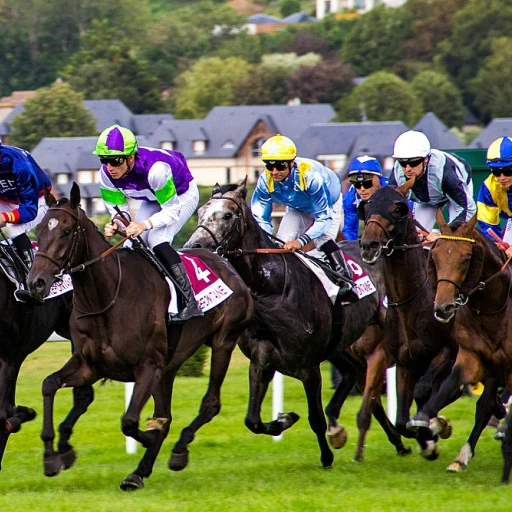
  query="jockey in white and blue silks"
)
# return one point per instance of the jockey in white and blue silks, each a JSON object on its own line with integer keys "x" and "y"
{"x": 162, "y": 182}
{"x": 441, "y": 179}
{"x": 365, "y": 177}
{"x": 22, "y": 203}
{"x": 312, "y": 195}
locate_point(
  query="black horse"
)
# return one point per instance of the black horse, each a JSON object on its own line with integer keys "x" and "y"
{"x": 24, "y": 327}
{"x": 295, "y": 331}
{"x": 424, "y": 349}
{"x": 119, "y": 331}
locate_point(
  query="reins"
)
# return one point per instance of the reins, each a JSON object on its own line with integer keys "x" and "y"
{"x": 390, "y": 247}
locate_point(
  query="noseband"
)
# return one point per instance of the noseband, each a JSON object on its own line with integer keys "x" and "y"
{"x": 389, "y": 248}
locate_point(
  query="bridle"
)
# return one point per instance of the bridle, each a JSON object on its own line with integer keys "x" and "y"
{"x": 463, "y": 299}
{"x": 78, "y": 234}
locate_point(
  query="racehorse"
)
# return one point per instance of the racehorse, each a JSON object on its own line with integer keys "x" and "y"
{"x": 119, "y": 331}
{"x": 295, "y": 331}
{"x": 419, "y": 344}
{"x": 24, "y": 327}
{"x": 473, "y": 284}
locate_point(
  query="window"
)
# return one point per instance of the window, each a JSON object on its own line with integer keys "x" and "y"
{"x": 327, "y": 6}
{"x": 199, "y": 146}
{"x": 167, "y": 144}
{"x": 98, "y": 206}
{"x": 62, "y": 178}
{"x": 85, "y": 177}
{"x": 256, "y": 147}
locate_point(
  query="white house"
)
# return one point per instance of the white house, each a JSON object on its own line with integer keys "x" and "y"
{"x": 325, "y": 7}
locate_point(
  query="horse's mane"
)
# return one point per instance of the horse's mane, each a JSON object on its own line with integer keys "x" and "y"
{"x": 222, "y": 189}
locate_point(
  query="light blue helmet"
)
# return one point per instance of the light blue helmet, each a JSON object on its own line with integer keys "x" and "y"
{"x": 365, "y": 165}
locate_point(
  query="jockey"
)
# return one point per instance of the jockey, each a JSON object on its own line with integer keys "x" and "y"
{"x": 494, "y": 199}
{"x": 365, "y": 176}
{"x": 314, "y": 210}
{"x": 441, "y": 179}
{"x": 161, "y": 180}
{"x": 22, "y": 203}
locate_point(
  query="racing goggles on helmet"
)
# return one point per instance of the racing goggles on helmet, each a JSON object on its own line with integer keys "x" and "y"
{"x": 364, "y": 180}
{"x": 278, "y": 165}
{"x": 498, "y": 171}
{"x": 114, "y": 161}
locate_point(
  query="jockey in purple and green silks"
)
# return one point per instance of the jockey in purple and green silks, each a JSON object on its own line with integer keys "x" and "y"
{"x": 161, "y": 180}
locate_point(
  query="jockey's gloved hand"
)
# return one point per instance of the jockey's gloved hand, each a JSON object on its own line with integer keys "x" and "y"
{"x": 109, "y": 230}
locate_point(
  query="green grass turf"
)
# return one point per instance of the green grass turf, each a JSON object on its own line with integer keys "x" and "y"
{"x": 231, "y": 468}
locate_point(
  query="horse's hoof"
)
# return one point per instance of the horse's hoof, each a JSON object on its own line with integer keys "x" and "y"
{"x": 52, "y": 465}
{"x": 68, "y": 458}
{"x": 24, "y": 413}
{"x": 132, "y": 482}
{"x": 13, "y": 425}
{"x": 178, "y": 461}
{"x": 337, "y": 437}
{"x": 456, "y": 467}
{"x": 287, "y": 419}
{"x": 431, "y": 452}
{"x": 403, "y": 451}
{"x": 441, "y": 426}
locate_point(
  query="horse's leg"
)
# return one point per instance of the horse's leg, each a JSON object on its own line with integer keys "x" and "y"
{"x": 377, "y": 363}
{"x": 210, "y": 404}
{"x": 82, "y": 397}
{"x": 487, "y": 404}
{"x": 349, "y": 371}
{"x": 74, "y": 373}
{"x": 506, "y": 446}
{"x": 157, "y": 429}
{"x": 313, "y": 388}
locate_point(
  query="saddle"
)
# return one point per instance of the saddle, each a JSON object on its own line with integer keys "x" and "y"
{"x": 11, "y": 264}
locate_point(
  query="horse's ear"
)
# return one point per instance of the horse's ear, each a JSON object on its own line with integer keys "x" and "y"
{"x": 362, "y": 209}
{"x": 241, "y": 190}
{"x": 471, "y": 223}
{"x": 404, "y": 189}
{"x": 440, "y": 219}
{"x": 216, "y": 189}
{"x": 74, "y": 195}
{"x": 431, "y": 271}
{"x": 49, "y": 198}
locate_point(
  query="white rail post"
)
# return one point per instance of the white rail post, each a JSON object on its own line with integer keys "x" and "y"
{"x": 131, "y": 444}
{"x": 391, "y": 393}
{"x": 277, "y": 399}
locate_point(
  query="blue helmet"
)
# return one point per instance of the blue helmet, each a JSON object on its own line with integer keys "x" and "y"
{"x": 365, "y": 165}
{"x": 499, "y": 153}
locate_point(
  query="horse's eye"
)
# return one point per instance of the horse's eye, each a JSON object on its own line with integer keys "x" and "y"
{"x": 66, "y": 232}
{"x": 227, "y": 216}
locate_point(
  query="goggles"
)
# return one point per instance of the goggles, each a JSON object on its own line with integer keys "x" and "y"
{"x": 114, "y": 161}
{"x": 412, "y": 162}
{"x": 366, "y": 184}
{"x": 506, "y": 171}
{"x": 278, "y": 165}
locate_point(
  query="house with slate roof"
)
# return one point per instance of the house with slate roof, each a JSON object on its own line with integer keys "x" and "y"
{"x": 500, "y": 127}
{"x": 263, "y": 23}
{"x": 438, "y": 133}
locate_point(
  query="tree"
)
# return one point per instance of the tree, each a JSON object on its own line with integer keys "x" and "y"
{"x": 440, "y": 96}
{"x": 492, "y": 86}
{"x": 259, "y": 87}
{"x": 383, "y": 96}
{"x": 287, "y": 7}
{"x": 325, "y": 82}
{"x": 55, "y": 111}
{"x": 207, "y": 84}
{"x": 375, "y": 41}
{"x": 106, "y": 67}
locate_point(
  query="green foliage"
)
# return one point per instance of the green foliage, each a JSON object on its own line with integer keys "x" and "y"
{"x": 207, "y": 84}
{"x": 55, "y": 111}
{"x": 194, "y": 365}
{"x": 375, "y": 41}
{"x": 106, "y": 67}
{"x": 492, "y": 86}
{"x": 382, "y": 96}
{"x": 287, "y": 7}
{"x": 440, "y": 96}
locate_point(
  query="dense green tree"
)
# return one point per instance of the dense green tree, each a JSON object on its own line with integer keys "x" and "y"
{"x": 55, "y": 111}
{"x": 106, "y": 67}
{"x": 375, "y": 41}
{"x": 306, "y": 42}
{"x": 326, "y": 82}
{"x": 440, "y": 96}
{"x": 287, "y": 7}
{"x": 492, "y": 86}
{"x": 383, "y": 96}
{"x": 207, "y": 84}
{"x": 476, "y": 25}
{"x": 259, "y": 87}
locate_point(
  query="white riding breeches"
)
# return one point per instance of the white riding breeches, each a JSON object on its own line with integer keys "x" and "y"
{"x": 14, "y": 230}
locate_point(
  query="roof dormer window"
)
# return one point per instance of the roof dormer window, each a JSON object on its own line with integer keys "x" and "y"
{"x": 199, "y": 147}
{"x": 167, "y": 144}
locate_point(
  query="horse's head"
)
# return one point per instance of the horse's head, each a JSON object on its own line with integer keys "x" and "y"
{"x": 386, "y": 221}
{"x": 455, "y": 265}
{"x": 58, "y": 238}
{"x": 222, "y": 219}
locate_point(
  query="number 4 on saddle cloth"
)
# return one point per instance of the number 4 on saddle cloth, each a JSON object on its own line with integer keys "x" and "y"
{"x": 208, "y": 288}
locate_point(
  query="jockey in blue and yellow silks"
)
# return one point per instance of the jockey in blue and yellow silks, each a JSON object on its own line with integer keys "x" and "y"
{"x": 494, "y": 199}
{"x": 161, "y": 180}
{"x": 312, "y": 196}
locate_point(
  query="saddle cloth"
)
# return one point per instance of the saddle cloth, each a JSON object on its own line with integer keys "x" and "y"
{"x": 363, "y": 285}
{"x": 208, "y": 288}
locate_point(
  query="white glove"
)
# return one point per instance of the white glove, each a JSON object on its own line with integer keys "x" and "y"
{"x": 109, "y": 230}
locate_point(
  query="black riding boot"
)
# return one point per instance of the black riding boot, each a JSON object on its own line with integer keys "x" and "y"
{"x": 26, "y": 252}
{"x": 170, "y": 258}
{"x": 339, "y": 265}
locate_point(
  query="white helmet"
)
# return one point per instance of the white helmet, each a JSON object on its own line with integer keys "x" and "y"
{"x": 411, "y": 144}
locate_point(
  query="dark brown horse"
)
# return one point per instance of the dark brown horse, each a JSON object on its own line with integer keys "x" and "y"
{"x": 24, "y": 327}
{"x": 118, "y": 326}
{"x": 424, "y": 349}
{"x": 474, "y": 286}
{"x": 295, "y": 331}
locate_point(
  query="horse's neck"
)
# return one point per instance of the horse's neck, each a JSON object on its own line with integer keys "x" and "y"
{"x": 499, "y": 282}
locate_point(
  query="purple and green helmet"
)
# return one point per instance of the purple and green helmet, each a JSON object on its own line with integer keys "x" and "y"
{"x": 116, "y": 141}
